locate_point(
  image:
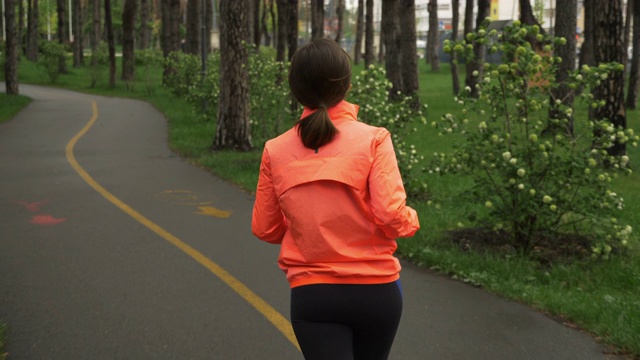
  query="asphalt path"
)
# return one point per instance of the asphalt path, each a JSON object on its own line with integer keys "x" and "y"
{"x": 113, "y": 247}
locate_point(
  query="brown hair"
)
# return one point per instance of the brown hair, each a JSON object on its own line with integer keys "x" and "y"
{"x": 319, "y": 77}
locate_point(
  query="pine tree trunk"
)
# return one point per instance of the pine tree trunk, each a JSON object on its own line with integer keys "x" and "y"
{"x": 32, "y": 31}
{"x": 233, "y": 131}
{"x": 433, "y": 41}
{"x": 292, "y": 28}
{"x": 263, "y": 21}
{"x": 455, "y": 78}
{"x": 11, "y": 46}
{"x": 128, "y": 36}
{"x": 95, "y": 34}
{"x": 78, "y": 56}
{"x": 63, "y": 38}
{"x": 634, "y": 74}
{"x": 145, "y": 30}
{"x": 257, "y": 34}
{"x": 409, "y": 51}
{"x": 586, "y": 49}
{"x": 317, "y": 19}
{"x": 21, "y": 26}
{"x": 566, "y": 21}
{"x": 193, "y": 27}
{"x": 608, "y": 41}
{"x": 170, "y": 31}
{"x": 476, "y": 65}
{"x": 340, "y": 16}
{"x": 357, "y": 52}
{"x": 368, "y": 34}
{"x": 281, "y": 43}
{"x": 108, "y": 23}
{"x": 391, "y": 30}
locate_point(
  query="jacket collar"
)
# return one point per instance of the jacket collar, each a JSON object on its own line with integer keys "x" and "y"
{"x": 342, "y": 111}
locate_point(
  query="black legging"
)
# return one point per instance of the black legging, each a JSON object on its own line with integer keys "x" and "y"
{"x": 340, "y": 322}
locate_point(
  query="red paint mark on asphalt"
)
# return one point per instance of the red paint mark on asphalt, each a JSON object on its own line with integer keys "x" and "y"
{"x": 46, "y": 219}
{"x": 33, "y": 207}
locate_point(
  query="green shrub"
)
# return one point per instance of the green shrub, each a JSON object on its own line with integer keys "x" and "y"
{"x": 538, "y": 180}
{"x": 99, "y": 63}
{"x": 52, "y": 54}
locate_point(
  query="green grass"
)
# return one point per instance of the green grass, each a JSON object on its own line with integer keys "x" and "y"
{"x": 601, "y": 297}
{"x": 10, "y": 105}
{"x": 3, "y": 331}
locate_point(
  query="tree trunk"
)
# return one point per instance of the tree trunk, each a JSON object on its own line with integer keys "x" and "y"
{"x": 627, "y": 29}
{"x": 20, "y": 32}
{"x": 32, "y": 31}
{"x": 357, "y": 54}
{"x": 145, "y": 29}
{"x": 468, "y": 18}
{"x": 317, "y": 19}
{"x": 233, "y": 131}
{"x": 208, "y": 26}
{"x": 11, "y": 48}
{"x": 608, "y": 43}
{"x": 391, "y": 30}
{"x": 433, "y": 40}
{"x": 110, "y": 42}
{"x": 634, "y": 75}
{"x": 281, "y": 44}
{"x": 274, "y": 27}
{"x": 526, "y": 14}
{"x": 477, "y": 63}
{"x": 95, "y": 36}
{"x": 455, "y": 78}
{"x": 192, "y": 45}
{"x": 170, "y": 30}
{"x": 62, "y": 34}
{"x": 292, "y": 28}
{"x": 265, "y": 30}
{"x": 566, "y": 21}
{"x": 587, "y": 56}
{"x": 368, "y": 34}
{"x": 381, "y": 47}
{"x": 257, "y": 35}
{"x": 128, "y": 36}
{"x": 409, "y": 51}
{"x": 340, "y": 16}
{"x": 78, "y": 56}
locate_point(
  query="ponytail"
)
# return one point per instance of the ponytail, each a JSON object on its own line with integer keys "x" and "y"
{"x": 316, "y": 129}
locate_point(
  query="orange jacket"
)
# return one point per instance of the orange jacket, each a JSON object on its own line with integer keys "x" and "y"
{"x": 336, "y": 212}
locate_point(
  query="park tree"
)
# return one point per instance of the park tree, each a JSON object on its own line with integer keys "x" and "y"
{"x": 317, "y": 19}
{"x": 410, "y": 83}
{"x": 527, "y": 16}
{"x": 292, "y": 28}
{"x": 194, "y": 19}
{"x": 32, "y": 31}
{"x": 145, "y": 27}
{"x": 627, "y": 30}
{"x": 587, "y": 56}
{"x": 233, "y": 129}
{"x": 281, "y": 39}
{"x": 78, "y": 48}
{"x": 565, "y": 27}
{"x": 255, "y": 14}
{"x": 359, "y": 32}
{"x": 340, "y": 16}
{"x": 111, "y": 43}
{"x": 608, "y": 41}
{"x": 468, "y": 17}
{"x": 61, "y": 10}
{"x": 20, "y": 28}
{"x": 128, "y": 36}
{"x": 170, "y": 37}
{"x": 475, "y": 66}
{"x": 433, "y": 37}
{"x": 368, "y": 34}
{"x": 11, "y": 49}
{"x": 455, "y": 78}
{"x": 95, "y": 31}
{"x": 263, "y": 22}
{"x": 391, "y": 31}
{"x": 634, "y": 73}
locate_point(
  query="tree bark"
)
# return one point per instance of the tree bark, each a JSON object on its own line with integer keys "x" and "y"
{"x": 281, "y": 43}
{"x": 233, "y": 131}
{"x": 608, "y": 48}
{"x": 108, "y": 23}
{"x": 145, "y": 29}
{"x": 340, "y": 16}
{"x": 634, "y": 74}
{"x": 566, "y": 21}
{"x": 433, "y": 38}
{"x": 627, "y": 29}
{"x": 20, "y": 30}
{"x": 357, "y": 52}
{"x": 257, "y": 34}
{"x": 292, "y": 28}
{"x": 479, "y": 50}
{"x": 409, "y": 51}
{"x": 170, "y": 30}
{"x": 265, "y": 30}
{"x": 32, "y": 31}
{"x": 391, "y": 32}
{"x": 192, "y": 45}
{"x": 78, "y": 56}
{"x": 587, "y": 56}
{"x": 368, "y": 34}
{"x": 128, "y": 36}
{"x": 95, "y": 36}
{"x": 455, "y": 78}
{"x": 11, "y": 49}
{"x": 62, "y": 31}
{"x": 317, "y": 19}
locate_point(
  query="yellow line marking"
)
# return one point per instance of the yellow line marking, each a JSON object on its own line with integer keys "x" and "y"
{"x": 279, "y": 321}
{"x": 211, "y": 211}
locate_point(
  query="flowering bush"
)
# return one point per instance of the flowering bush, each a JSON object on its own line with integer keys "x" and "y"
{"x": 537, "y": 177}
{"x": 52, "y": 54}
{"x": 370, "y": 90}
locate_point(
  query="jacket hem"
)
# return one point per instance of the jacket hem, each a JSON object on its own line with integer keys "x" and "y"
{"x": 351, "y": 280}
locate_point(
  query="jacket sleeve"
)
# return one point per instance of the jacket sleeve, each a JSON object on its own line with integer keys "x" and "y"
{"x": 388, "y": 197}
{"x": 268, "y": 222}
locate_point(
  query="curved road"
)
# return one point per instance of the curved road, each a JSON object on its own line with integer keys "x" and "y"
{"x": 112, "y": 247}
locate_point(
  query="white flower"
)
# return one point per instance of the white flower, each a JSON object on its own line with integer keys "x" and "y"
{"x": 547, "y": 199}
{"x": 521, "y": 172}
{"x": 506, "y": 155}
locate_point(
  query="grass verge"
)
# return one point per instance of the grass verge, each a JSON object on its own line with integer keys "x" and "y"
{"x": 10, "y": 105}
{"x": 599, "y": 297}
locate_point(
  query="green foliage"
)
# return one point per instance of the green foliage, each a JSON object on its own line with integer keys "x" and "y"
{"x": 537, "y": 177}
{"x": 99, "y": 63}
{"x": 52, "y": 54}
{"x": 146, "y": 62}
{"x": 184, "y": 74}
